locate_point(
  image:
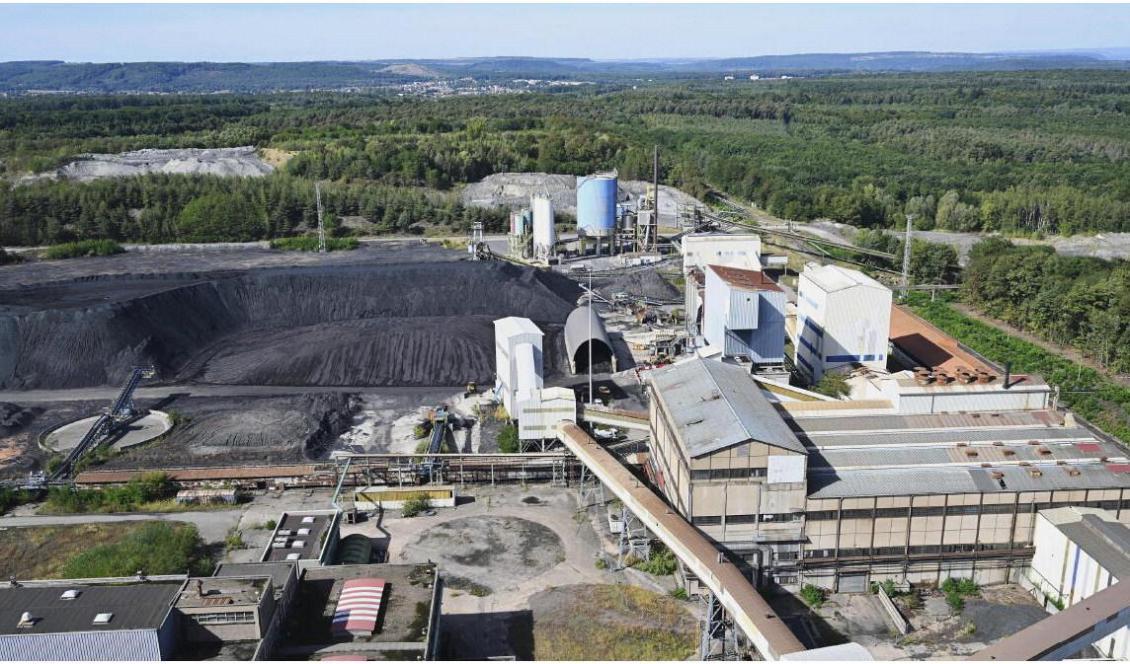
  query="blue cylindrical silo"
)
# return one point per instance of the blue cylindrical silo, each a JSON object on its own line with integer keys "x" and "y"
{"x": 596, "y": 205}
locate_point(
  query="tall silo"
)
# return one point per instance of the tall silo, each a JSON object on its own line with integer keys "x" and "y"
{"x": 545, "y": 234}
{"x": 596, "y": 205}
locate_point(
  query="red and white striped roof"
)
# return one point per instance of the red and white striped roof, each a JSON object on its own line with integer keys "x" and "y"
{"x": 358, "y": 607}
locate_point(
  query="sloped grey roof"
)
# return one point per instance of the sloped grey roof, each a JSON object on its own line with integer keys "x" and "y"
{"x": 932, "y": 480}
{"x": 715, "y": 406}
{"x": 1107, "y": 542}
{"x": 142, "y": 605}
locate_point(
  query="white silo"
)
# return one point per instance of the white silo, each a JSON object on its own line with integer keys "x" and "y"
{"x": 545, "y": 234}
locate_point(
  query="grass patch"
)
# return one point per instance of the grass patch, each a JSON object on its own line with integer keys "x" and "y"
{"x": 508, "y": 439}
{"x": 611, "y": 623}
{"x": 957, "y": 589}
{"x": 101, "y": 549}
{"x": 82, "y": 249}
{"x": 310, "y": 243}
{"x": 680, "y": 593}
{"x": 10, "y": 498}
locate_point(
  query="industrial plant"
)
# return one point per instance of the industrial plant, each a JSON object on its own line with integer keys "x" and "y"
{"x": 618, "y": 359}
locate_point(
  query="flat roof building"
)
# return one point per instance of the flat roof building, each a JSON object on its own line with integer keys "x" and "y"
{"x": 305, "y": 538}
{"x": 843, "y": 319}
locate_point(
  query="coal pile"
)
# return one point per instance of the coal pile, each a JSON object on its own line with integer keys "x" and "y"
{"x": 424, "y": 324}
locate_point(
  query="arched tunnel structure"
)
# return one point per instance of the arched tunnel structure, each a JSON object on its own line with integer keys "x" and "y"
{"x": 585, "y": 328}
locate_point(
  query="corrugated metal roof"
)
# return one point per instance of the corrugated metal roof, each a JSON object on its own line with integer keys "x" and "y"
{"x": 891, "y": 422}
{"x": 942, "y": 436}
{"x": 930, "y": 346}
{"x": 881, "y": 457}
{"x": 745, "y": 279}
{"x": 141, "y": 605}
{"x": 1107, "y": 542}
{"x": 716, "y": 405}
{"x": 943, "y": 479}
{"x": 135, "y": 645}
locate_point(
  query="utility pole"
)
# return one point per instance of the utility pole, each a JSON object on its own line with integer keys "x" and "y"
{"x": 590, "y": 336}
{"x": 321, "y": 224}
{"x": 906, "y": 256}
{"x": 654, "y": 238}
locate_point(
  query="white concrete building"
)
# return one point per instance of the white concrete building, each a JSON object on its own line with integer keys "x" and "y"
{"x": 540, "y": 412}
{"x": 1080, "y": 551}
{"x": 745, "y": 315}
{"x": 518, "y": 360}
{"x": 843, "y": 318}
{"x": 740, "y": 251}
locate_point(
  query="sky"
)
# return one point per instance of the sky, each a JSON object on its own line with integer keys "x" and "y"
{"x": 291, "y": 32}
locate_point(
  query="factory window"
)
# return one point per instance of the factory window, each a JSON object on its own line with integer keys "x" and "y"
{"x": 821, "y": 515}
{"x": 962, "y": 510}
{"x": 707, "y": 520}
{"x": 787, "y": 516}
{"x": 957, "y": 548}
{"x": 225, "y": 618}
{"x": 857, "y": 514}
{"x": 929, "y": 511}
{"x": 786, "y": 555}
{"x": 889, "y": 550}
{"x": 1004, "y": 546}
{"x": 1000, "y": 508}
{"x": 890, "y": 512}
{"x": 819, "y": 553}
{"x": 727, "y": 473}
{"x": 789, "y": 580}
{"x": 854, "y": 553}
{"x": 923, "y": 549}
{"x": 741, "y": 518}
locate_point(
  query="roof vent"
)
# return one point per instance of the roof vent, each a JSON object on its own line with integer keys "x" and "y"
{"x": 971, "y": 453}
{"x": 70, "y": 594}
{"x": 998, "y": 475}
{"x": 1043, "y": 451}
{"x": 103, "y": 618}
{"x": 1008, "y": 453}
{"x": 1035, "y": 472}
{"x": 307, "y": 519}
{"x": 1074, "y": 472}
{"x": 26, "y": 620}
{"x": 997, "y": 443}
{"x": 294, "y": 556}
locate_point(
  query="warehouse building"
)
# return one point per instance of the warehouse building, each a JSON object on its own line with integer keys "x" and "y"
{"x": 1080, "y": 551}
{"x": 307, "y": 538}
{"x": 744, "y": 316}
{"x": 517, "y": 357}
{"x": 702, "y": 249}
{"x": 726, "y": 460}
{"x": 519, "y": 362}
{"x": 917, "y": 496}
{"x": 90, "y": 619}
{"x": 843, "y": 320}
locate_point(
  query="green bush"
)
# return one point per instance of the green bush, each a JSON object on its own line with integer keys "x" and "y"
{"x": 661, "y": 563}
{"x": 832, "y": 385}
{"x": 887, "y": 585}
{"x": 680, "y": 593}
{"x": 83, "y": 248}
{"x": 601, "y": 563}
{"x": 146, "y": 488}
{"x": 10, "y": 498}
{"x": 310, "y": 243}
{"x": 415, "y": 505}
{"x": 155, "y": 548}
{"x": 508, "y": 439}
{"x": 956, "y": 602}
{"x": 957, "y": 589}
{"x": 813, "y": 596}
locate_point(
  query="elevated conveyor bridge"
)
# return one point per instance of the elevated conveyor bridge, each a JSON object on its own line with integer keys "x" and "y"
{"x": 750, "y": 613}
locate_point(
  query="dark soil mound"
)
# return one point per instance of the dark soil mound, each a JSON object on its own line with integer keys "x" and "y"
{"x": 360, "y": 325}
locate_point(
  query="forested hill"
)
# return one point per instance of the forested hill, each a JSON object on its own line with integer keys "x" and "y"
{"x": 203, "y": 77}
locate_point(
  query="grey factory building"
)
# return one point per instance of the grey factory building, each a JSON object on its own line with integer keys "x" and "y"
{"x": 840, "y": 493}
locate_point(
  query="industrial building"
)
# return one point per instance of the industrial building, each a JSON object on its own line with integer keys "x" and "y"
{"x": 308, "y": 538}
{"x": 702, "y": 249}
{"x": 92, "y": 619}
{"x": 517, "y": 346}
{"x": 1079, "y": 552}
{"x": 518, "y": 362}
{"x": 744, "y": 316}
{"x": 843, "y": 320}
{"x": 924, "y": 479}
{"x": 544, "y": 227}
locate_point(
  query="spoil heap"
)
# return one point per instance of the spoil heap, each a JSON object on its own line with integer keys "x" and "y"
{"x": 357, "y": 325}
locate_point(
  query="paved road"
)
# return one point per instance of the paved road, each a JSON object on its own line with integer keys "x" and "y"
{"x": 213, "y": 525}
{"x": 162, "y": 391}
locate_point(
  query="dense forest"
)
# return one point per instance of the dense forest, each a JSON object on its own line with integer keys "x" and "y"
{"x": 1079, "y": 301}
{"x": 1025, "y": 153}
